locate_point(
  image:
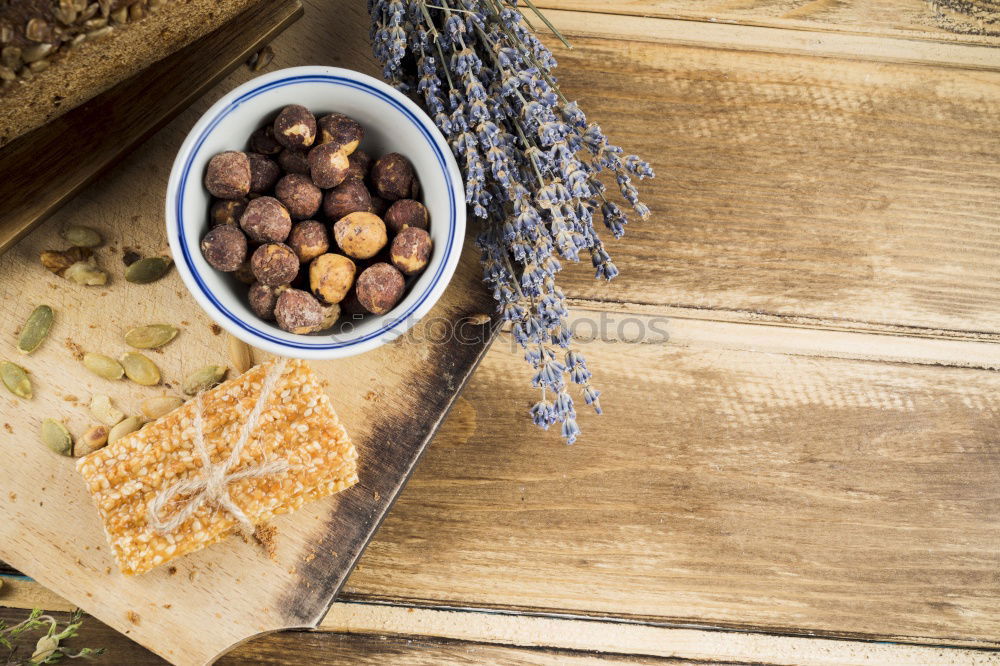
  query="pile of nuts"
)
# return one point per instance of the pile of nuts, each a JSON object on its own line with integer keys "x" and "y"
{"x": 312, "y": 224}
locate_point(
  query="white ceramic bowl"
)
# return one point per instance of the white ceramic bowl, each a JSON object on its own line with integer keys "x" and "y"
{"x": 392, "y": 124}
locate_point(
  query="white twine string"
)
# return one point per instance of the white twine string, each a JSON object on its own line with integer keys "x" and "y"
{"x": 213, "y": 486}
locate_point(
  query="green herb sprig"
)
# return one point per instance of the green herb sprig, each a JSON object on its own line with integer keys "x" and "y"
{"x": 47, "y": 648}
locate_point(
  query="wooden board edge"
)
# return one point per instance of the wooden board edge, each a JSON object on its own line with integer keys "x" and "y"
{"x": 262, "y": 23}
{"x": 327, "y": 593}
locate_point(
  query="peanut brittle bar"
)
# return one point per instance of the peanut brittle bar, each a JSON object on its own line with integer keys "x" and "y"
{"x": 295, "y": 424}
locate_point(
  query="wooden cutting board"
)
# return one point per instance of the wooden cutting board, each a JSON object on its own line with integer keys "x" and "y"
{"x": 391, "y": 400}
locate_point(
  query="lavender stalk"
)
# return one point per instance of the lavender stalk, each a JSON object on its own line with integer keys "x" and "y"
{"x": 531, "y": 163}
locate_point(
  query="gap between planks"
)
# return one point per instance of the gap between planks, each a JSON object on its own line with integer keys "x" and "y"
{"x": 601, "y": 635}
{"x": 771, "y": 40}
{"x": 600, "y": 325}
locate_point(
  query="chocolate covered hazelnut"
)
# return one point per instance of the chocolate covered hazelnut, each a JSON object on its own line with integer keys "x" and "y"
{"x": 351, "y": 196}
{"x": 379, "y": 288}
{"x": 295, "y": 127}
{"x": 274, "y": 264}
{"x": 359, "y": 164}
{"x": 299, "y": 195}
{"x": 228, "y": 175}
{"x": 328, "y": 165}
{"x": 263, "y": 299}
{"x": 299, "y": 312}
{"x": 341, "y": 131}
{"x": 308, "y": 240}
{"x": 393, "y": 178}
{"x": 360, "y": 235}
{"x": 224, "y": 247}
{"x": 331, "y": 276}
{"x": 294, "y": 161}
{"x": 411, "y": 250}
{"x": 266, "y": 220}
{"x": 226, "y": 211}
{"x": 406, "y": 213}
{"x": 262, "y": 141}
{"x": 264, "y": 173}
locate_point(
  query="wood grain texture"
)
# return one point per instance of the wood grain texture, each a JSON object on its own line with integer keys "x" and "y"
{"x": 820, "y": 191}
{"x": 390, "y": 400}
{"x": 41, "y": 171}
{"x": 973, "y": 21}
{"x": 732, "y": 488}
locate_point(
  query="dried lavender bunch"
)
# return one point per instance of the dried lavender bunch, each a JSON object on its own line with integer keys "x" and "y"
{"x": 531, "y": 163}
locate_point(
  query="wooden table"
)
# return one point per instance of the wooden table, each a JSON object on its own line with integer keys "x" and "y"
{"x": 800, "y": 457}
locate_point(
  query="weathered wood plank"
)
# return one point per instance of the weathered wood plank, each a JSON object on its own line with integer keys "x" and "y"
{"x": 976, "y": 21}
{"x": 842, "y": 193}
{"x": 723, "y": 487}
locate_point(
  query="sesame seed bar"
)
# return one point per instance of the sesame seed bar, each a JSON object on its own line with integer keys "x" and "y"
{"x": 297, "y": 425}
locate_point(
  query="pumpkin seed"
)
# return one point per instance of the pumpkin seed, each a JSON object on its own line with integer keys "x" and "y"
{"x": 140, "y": 369}
{"x": 105, "y": 412}
{"x": 56, "y": 437}
{"x": 103, "y": 366}
{"x": 7, "y": 74}
{"x": 86, "y": 273}
{"x": 154, "y": 408}
{"x": 147, "y": 270}
{"x": 240, "y": 354}
{"x": 151, "y": 336}
{"x": 15, "y": 378}
{"x": 35, "y": 329}
{"x": 204, "y": 379}
{"x": 81, "y": 236}
{"x": 95, "y": 438}
{"x": 129, "y": 425}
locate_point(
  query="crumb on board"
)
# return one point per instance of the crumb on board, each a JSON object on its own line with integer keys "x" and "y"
{"x": 172, "y": 570}
{"x": 266, "y": 536}
{"x": 371, "y": 395}
{"x": 192, "y": 575}
{"x": 74, "y": 349}
{"x": 130, "y": 256}
{"x": 13, "y": 496}
{"x": 133, "y": 617}
{"x": 292, "y": 570}
{"x": 9, "y": 428}
{"x": 107, "y": 570}
{"x": 71, "y": 398}
{"x": 310, "y": 557}
{"x": 376, "y": 496}
{"x": 184, "y": 322}
{"x": 168, "y": 606}
{"x": 216, "y": 329}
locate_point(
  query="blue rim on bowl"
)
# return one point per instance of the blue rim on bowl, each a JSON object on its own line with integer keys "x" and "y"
{"x": 257, "y": 332}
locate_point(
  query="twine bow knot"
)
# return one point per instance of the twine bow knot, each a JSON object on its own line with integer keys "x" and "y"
{"x": 212, "y": 487}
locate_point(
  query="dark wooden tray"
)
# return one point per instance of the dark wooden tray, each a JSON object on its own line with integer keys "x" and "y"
{"x": 111, "y": 125}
